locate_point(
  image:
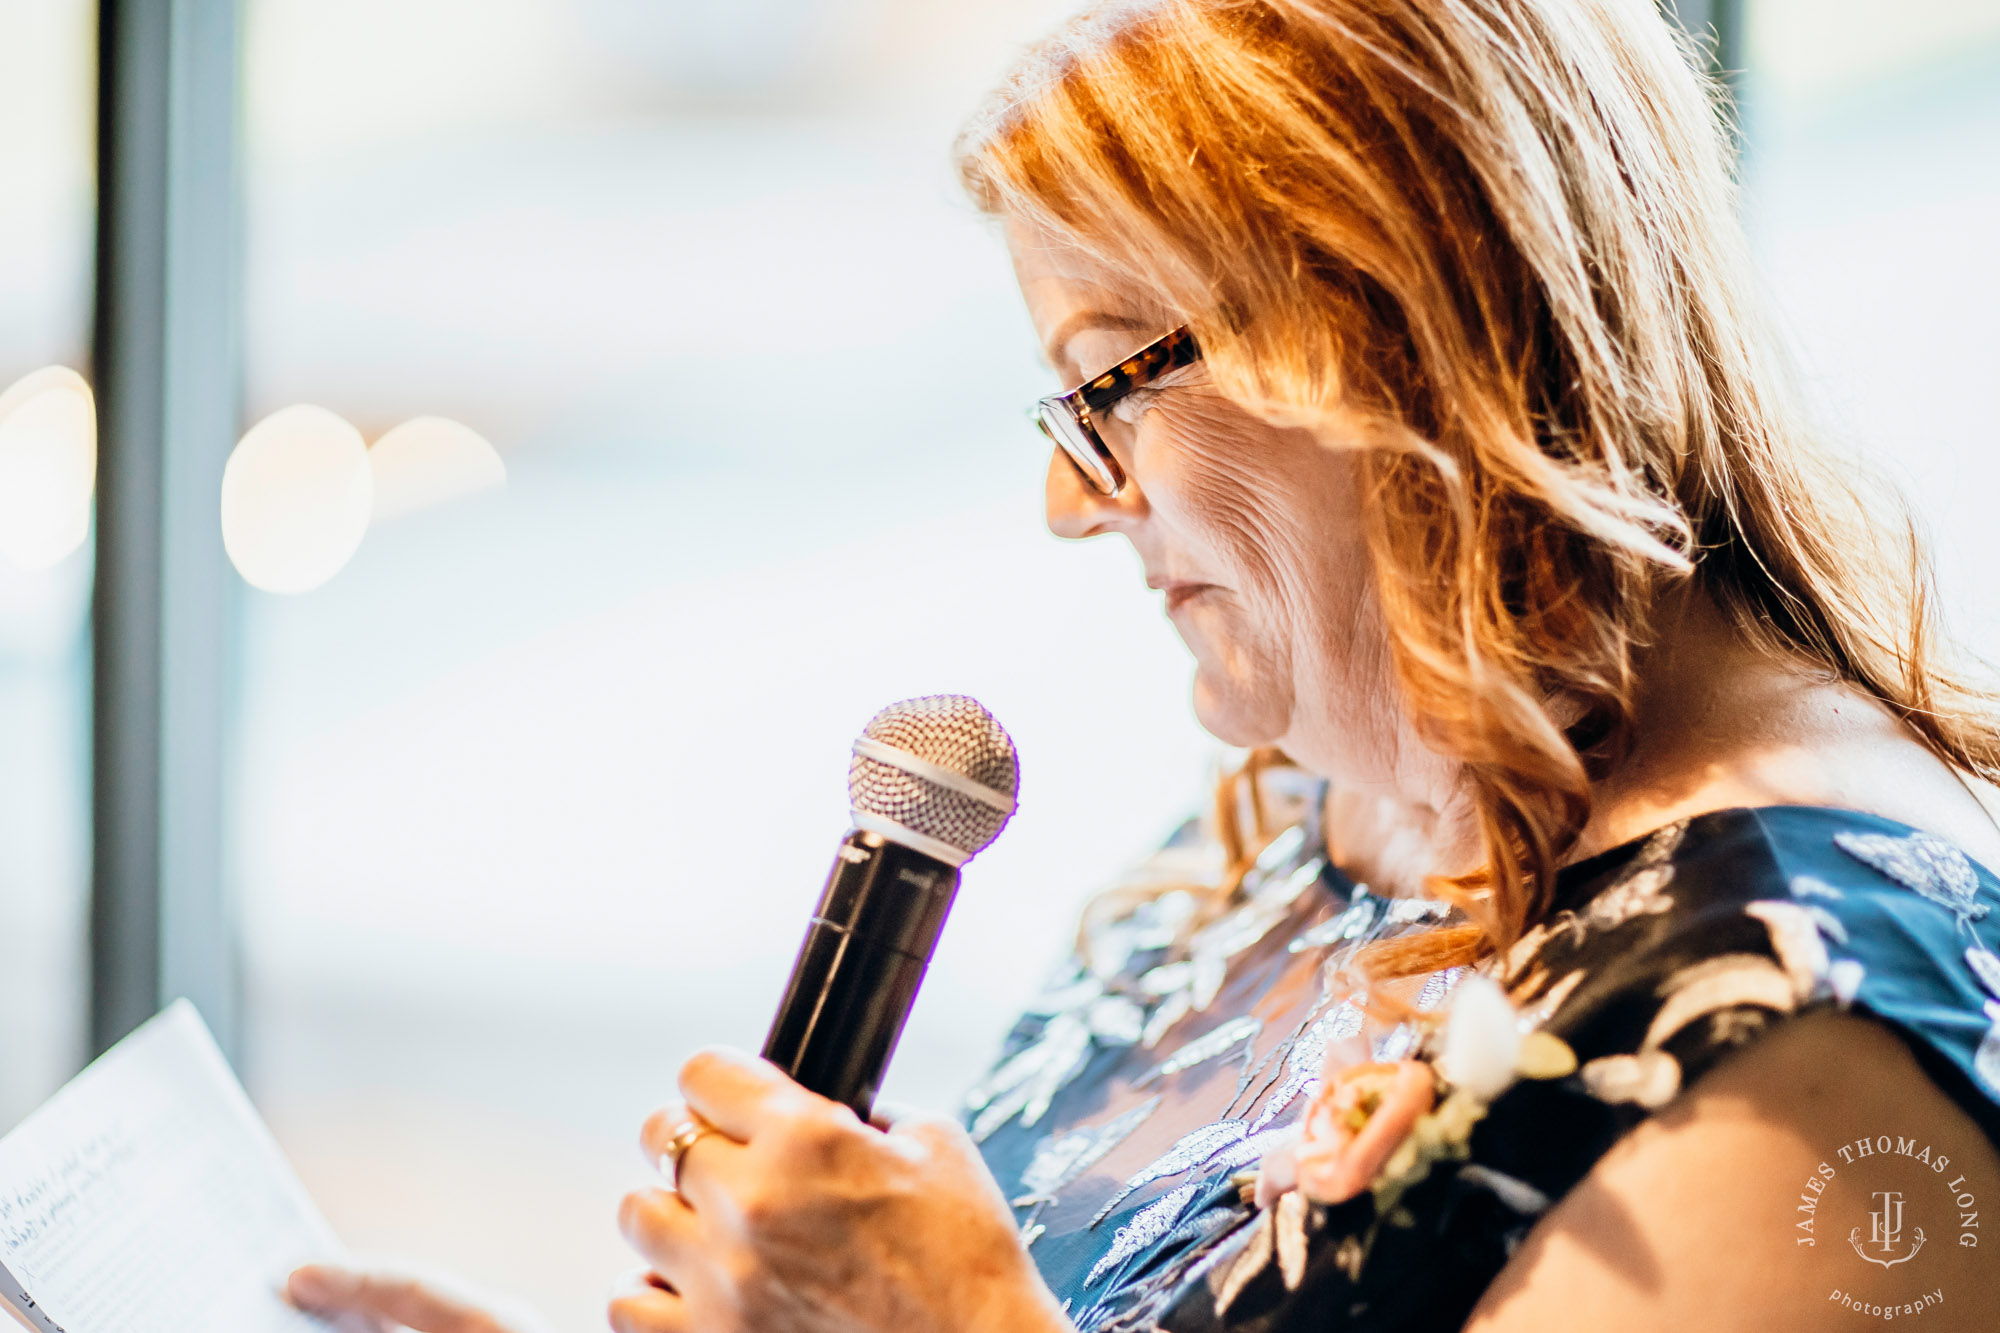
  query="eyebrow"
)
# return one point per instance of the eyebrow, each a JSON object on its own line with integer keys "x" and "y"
{"x": 1082, "y": 321}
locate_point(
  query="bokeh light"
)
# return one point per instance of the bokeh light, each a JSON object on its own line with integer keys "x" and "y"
{"x": 428, "y": 460}
{"x": 296, "y": 497}
{"x": 48, "y": 467}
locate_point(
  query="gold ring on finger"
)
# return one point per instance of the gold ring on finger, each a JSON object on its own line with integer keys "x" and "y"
{"x": 682, "y": 1139}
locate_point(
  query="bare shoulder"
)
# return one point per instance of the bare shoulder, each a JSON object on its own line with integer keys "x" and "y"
{"x": 1819, "y": 1167}
{"x": 1780, "y": 735}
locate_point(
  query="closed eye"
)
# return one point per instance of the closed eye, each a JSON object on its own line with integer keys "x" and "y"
{"x": 1137, "y": 402}
{"x": 1134, "y": 405}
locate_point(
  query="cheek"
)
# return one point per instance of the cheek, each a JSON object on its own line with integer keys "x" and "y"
{"x": 1271, "y": 512}
{"x": 1273, "y": 515}
{"x": 1200, "y": 479}
{"x": 1224, "y": 520}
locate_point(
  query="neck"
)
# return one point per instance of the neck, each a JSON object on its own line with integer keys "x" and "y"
{"x": 1718, "y": 722}
{"x": 1711, "y": 707}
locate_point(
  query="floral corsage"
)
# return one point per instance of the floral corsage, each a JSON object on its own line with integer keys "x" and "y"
{"x": 1379, "y": 1127}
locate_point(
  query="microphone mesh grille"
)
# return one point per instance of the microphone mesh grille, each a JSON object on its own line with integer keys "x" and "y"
{"x": 954, "y": 733}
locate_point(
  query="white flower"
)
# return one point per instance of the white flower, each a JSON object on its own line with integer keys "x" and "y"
{"x": 1482, "y": 1039}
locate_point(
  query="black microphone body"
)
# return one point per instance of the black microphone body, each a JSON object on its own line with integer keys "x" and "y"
{"x": 858, "y": 971}
{"x": 931, "y": 781}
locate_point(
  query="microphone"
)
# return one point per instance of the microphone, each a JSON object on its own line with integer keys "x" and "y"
{"x": 932, "y": 781}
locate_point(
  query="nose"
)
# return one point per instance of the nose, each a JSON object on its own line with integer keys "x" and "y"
{"x": 1077, "y": 510}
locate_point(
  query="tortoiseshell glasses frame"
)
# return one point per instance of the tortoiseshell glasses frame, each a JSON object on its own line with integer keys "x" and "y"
{"x": 1069, "y": 418}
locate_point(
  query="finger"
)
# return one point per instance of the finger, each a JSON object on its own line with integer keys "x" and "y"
{"x": 664, "y": 1230}
{"x": 306, "y": 1295}
{"x": 699, "y": 1174}
{"x": 656, "y": 1136}
{"x": 738, "y": 1093}
{"x": 327, "y": 1290}
{"x": 640, "y": 1306}
{"x": 659, "y": 1130}
{"x": 638, "y": 1280}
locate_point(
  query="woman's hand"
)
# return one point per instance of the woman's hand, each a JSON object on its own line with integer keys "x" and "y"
{"x": 794, "y": 1217}
{"x": 390, "y": 1300}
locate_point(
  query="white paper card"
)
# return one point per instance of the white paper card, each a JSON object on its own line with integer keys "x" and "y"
{"x": 147, "y": 1197}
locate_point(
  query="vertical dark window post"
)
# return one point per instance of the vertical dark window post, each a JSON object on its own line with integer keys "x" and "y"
{"x": 166, "y": 369}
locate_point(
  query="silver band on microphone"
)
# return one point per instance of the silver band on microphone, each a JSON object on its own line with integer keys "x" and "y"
{"x": 909, "y": 837}
{"x": 919, "y": 767}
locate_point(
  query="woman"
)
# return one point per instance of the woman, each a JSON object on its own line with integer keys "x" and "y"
{"x": 1418, "y": 361}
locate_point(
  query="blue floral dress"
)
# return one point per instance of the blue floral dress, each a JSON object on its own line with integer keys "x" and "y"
{"x": 1133, "y": 1095}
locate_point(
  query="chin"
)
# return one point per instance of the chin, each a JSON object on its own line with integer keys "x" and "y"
{"x": 1236, "y": 715}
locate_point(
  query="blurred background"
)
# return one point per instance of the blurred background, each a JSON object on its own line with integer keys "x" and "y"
{"x": 533, "y": 796}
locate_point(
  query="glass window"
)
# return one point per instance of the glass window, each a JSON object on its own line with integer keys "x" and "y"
{"x": 1874, "y": 198}
{"x": 536, "y": 793}
{"x": 47, "y": 87}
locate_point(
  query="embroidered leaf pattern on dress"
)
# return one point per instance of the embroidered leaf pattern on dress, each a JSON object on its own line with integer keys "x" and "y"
{"x": 1082, "y": 1016}
{"x": 1290, "y": 1239}
{"x": 1986, "y": 1060}
{"x": 1063, "y": 1158}
{"x": 1191, "y": 1150}
{"x": 1795, "y": 938}
{"x": 1436, "y": 987}
{"x": 1649, "y": 1079}
{"x": 1350, "y": 924}
{"x": 1201, "y": 1226}
{"x": 1517, "y": 1194}
{"x": 1250, "y": 1150}
{"x": 1730, "y": 981}
{"x": 1308, "y": 1053}
{"x": 1148, "y": 1225}
{"x": 1985, "y": 965}
{"x": 1662, "y": 844}
{"x": 1917, "y": 861}
{"x": 1844, "y": 979}
{"x": 1258, "y": 1248}
{"x": 1188, "y": 986}
{"x": 1027, "y": 1083}
{"x": 1537, "y": 1015}
{"x": 1218, "y": 1041}
{"x": 1640, "y": 893}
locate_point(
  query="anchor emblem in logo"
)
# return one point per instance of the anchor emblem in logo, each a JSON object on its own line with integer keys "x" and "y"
{"x": 1885, "y": 1231}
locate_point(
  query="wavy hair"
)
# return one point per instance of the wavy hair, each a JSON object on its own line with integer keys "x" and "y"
{"x": 1494, "y": 243}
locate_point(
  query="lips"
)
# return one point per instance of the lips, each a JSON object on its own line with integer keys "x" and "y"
{"x": 1180, "y": 594}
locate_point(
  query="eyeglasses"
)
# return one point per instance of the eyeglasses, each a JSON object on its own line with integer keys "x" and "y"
{"x": 1069, "y": 419}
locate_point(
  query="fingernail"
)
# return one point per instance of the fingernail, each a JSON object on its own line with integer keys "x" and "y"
{"x": 309, "y": 1287}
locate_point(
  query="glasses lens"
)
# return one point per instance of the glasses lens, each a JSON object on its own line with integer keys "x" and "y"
{"x": 1081, "y": 446}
